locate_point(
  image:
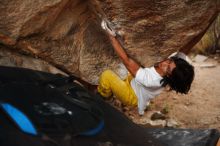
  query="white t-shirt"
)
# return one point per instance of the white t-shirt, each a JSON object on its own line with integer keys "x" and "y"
{"x": 146, "y": 86}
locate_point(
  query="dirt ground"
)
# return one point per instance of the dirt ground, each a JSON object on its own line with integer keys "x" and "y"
{"x": 201, "y": 107}
{"x": 198, "y": 109}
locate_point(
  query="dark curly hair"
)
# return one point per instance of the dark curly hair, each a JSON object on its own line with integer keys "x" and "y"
{"x": 181, "y": 77}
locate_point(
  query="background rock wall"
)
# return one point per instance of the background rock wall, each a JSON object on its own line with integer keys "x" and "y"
{"x": 13, "y": 59}
{"x": 67, "y": 33}
{"x": 210, "y": 42}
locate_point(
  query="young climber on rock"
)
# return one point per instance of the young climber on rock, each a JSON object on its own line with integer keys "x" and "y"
{"x": 143, "y": 84}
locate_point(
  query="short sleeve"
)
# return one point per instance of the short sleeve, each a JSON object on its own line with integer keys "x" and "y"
{"x": 145, "y": 77}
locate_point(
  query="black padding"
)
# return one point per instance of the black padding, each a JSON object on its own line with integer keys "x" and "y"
{"x": 28, "y": 89}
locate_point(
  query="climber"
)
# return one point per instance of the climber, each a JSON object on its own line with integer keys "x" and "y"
{"x": 143, "y": 84}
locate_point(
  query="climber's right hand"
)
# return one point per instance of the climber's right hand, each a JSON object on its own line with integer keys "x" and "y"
{"x": 108, "y": 28}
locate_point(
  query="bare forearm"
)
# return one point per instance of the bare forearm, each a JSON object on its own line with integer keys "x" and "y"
{"x": 130, "y": 64}
{"x": 118, "y": 48}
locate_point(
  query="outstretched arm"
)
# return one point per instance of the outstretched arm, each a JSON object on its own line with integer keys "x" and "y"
{"x": 129, "y": 63}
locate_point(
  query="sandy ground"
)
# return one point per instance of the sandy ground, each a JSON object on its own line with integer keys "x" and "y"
{"x": 198, "y": 109}
{"x": 201, "y": 107}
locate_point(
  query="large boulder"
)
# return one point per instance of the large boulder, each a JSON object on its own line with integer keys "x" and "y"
{"x": 13, "y": 59}
{"x": 210, "y": 42}
{"x": 67, "y": 33}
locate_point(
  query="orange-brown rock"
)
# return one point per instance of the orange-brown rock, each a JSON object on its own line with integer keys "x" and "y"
{"x": 210, "y": 42}
{"x": 67, "y": 33}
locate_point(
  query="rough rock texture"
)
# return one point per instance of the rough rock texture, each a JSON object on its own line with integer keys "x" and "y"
{"x": 67, "y": 33}
{"x": 13, "y": 59}
{"x": 210, "y": 42}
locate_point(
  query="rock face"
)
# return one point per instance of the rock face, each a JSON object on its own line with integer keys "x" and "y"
{"x": 13, "y": 59}
{"x": 67, "y": 33}
{"x": 210, "y": 42}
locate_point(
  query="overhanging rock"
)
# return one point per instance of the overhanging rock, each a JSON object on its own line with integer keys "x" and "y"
{"x": 67, "y": 33}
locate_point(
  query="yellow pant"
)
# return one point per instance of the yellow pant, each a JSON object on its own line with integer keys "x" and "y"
{"x": 110, "y": 83}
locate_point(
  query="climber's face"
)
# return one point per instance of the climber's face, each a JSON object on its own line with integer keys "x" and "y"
{"x": 166, "y": 66}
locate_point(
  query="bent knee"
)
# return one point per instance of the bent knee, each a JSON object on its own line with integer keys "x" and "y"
{"x": 107, "y": 73}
